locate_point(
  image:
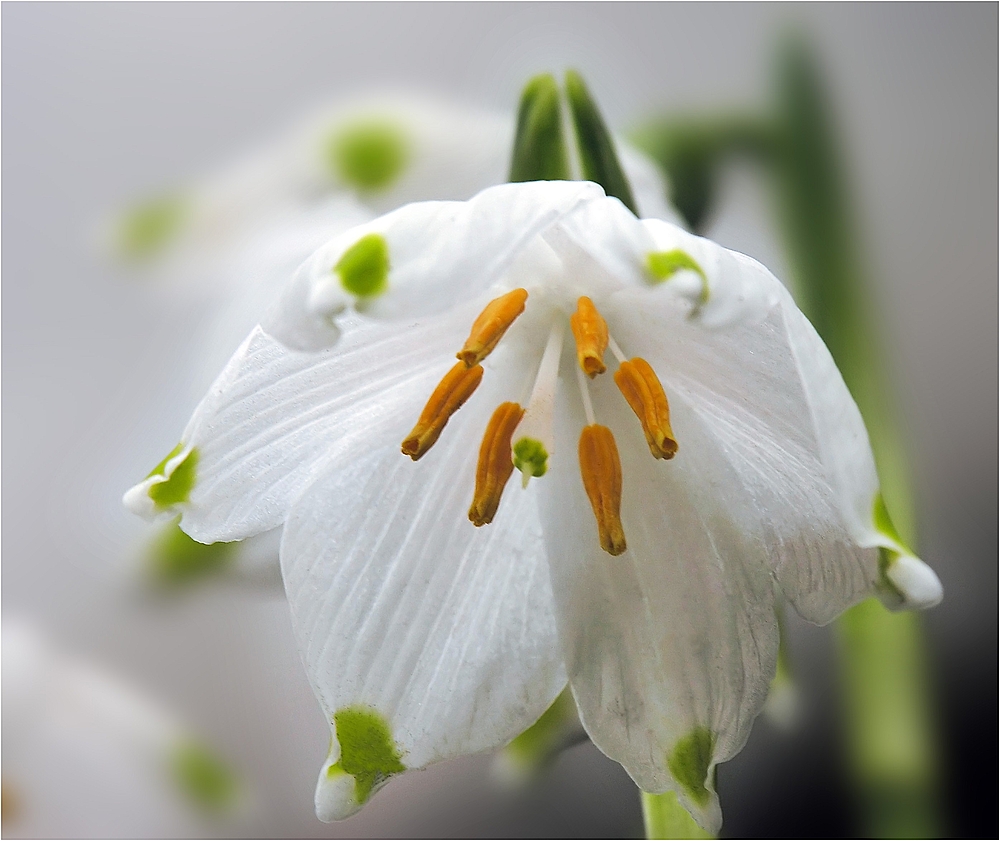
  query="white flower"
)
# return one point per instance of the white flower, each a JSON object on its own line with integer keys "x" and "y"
{"x": 641, "y": 563}
{"x": 223, "y": 248}
{"x": 87, "y": 755}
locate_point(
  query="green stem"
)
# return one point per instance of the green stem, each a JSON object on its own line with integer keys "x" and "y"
{"x": 666, "y": 818}
{"x": 890, "y": 735}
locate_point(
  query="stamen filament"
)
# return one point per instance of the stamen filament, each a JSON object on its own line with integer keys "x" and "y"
{"x": 601, "y": 469}
{"x": 495, "y": 463}
{"x": 591, "y": 333}
{"x": 454, "y": 389}
{"x": 642, "y": 389}
{"x": 489, "y": 327}
{"x": 533, "y": 438}
{"x": 588, "y": 407}
{"x": 617, "y": 351}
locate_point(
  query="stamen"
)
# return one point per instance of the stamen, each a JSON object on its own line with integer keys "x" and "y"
{"x": 588, "y": 407}
{"x": 489, "y": 327}
{"x": 601, "y": 469}
{"x": 495, "y": 463}
{"x": 591, "y": 333}
{"x": 644, "y": 393}
{"x": 617, "y": 351}
{"x": 454, "y": 389}
{"x": 533, "y": 439}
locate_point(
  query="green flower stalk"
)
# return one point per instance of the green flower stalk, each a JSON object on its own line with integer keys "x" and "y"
{"x": 890, "y": 734}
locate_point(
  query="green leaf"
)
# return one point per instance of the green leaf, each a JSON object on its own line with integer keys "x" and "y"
{"x": 598, "y": 159}
{"x": 539, "y": 148}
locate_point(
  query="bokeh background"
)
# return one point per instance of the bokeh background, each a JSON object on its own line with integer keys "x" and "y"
{"x": 105, "y": 102}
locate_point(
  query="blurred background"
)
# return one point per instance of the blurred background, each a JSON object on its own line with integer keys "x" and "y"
{"x": 106, "y": 103}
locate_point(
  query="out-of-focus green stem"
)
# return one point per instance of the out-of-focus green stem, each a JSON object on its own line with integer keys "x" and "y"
{"x": 666, "y": 818}
{"x": 890, "y": 734}
{"x": 691, "y": 151}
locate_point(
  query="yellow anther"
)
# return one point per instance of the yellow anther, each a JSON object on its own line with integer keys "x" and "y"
{"x": 454, "y": 389}
{"x": 602, "y": 479}
{"x": 489, "y": 327}
{"x": 591, "y": 333}
{"x": 638, "y": 382}
{"x": 495, "y": 463}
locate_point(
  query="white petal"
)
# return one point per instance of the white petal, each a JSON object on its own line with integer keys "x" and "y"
{"x": 738, "y": 289}
{"x": 675, "y": 638}
{"x": 744, "y": 387}
{"x": 407, "y": 612}
{"x": 276, "y": 418}
{"x": 916, "y": 583}
{"x": 439, "y": 253}
{"x": 648, "y": 186}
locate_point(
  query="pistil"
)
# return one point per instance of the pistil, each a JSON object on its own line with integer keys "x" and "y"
{"x": 533, "y": 439}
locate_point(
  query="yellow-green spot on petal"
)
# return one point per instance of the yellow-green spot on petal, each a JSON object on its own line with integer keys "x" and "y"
{"x": 364, "y": 267}
{"x": 146, "y": 229}
{"x": 368, "y": 155}
{"x": 531, "y": 458}
{"x": 883, "y": 522}
{"x": 177, "y": 487}
{"x": 177, "y": 560}
{"x": 887, "y": 556}
{"x": 663, "y": 265}
{"x": 367, "y": 750}
{"x": 689, "y": 762}
{"x": 203, "y": 777}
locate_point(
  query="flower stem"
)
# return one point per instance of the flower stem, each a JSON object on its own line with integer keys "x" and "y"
{"x": 666, "y": 818}
{"x": 892, "y": 750}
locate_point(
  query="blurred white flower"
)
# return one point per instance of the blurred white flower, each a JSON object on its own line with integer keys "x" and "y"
{"x": 87, "y": 756}
{"x": 650, "y": 585}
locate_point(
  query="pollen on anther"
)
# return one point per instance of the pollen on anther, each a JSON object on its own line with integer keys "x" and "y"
{"x": 601, "y": 469}
{"x": 488, "y": 329}
{"x": 591, "y": 333}
{"x": 495, "y": 464}
{"x": 454, "y": 389}
{"x": 641, "y": 387}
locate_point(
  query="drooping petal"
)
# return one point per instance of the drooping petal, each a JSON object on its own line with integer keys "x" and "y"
{"x": 670, "y": 646}
{"x": 275, "y": 418}
{"x": 420, "y": 259}
{"x": 745, "y": 390}
{"x": 424, "y": 637}
{"x": 766, "y": 355}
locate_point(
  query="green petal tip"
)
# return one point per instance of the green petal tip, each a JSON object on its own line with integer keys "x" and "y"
{"x": 369, "y": 155}
{"x": 367, "y": 750}
{"x": 364, "y": 267}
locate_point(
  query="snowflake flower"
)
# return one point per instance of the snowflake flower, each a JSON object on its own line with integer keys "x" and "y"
{"x": 687, "y": 449}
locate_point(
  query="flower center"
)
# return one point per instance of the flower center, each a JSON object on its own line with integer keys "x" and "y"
{"x": 523, "y": 438}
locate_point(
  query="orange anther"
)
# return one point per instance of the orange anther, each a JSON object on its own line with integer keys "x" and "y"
{"x": 489, "y": 327}
{"x": 601, "y": 469}
{"x": 591, "y": 333}
{"x": 641, "y": 388}
{"x": 495, "y": 463}
{"x": 454, "y": 389}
